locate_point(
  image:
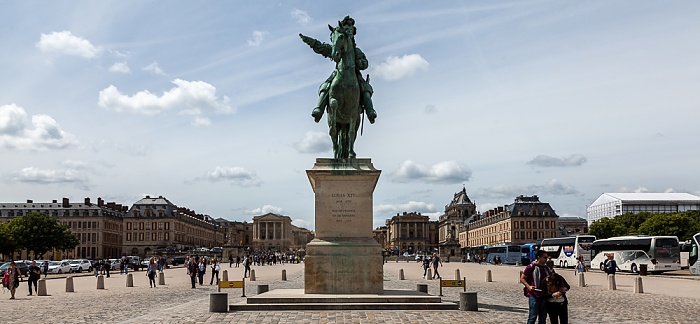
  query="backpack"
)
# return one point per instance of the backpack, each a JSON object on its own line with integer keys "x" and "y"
{"x": 6, "y": 280}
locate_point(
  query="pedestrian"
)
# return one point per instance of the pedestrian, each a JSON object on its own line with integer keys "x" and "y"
{"x": 161, "y": 263}
{"x": 13, "y": 278}
{"x": 580, "y": 265}
{"x": 45, "y": 267}
{"x": 246, "y": 266}
{"x": 436, "y": 260}
{"x": 533, "y": 278}
{"x": 230, "y": 261}
{"x": 557, "y": 302}
{"x": 426, "y": 265}
{"x": 96, "y": 267}
{"x": 34, "y": 275}
{"x": 214, "y": 271}
{"x": 151, "y": 272}
{"x": 191, "y": 270}
{"x": 611, "y": 265}
{"x": 238, "y": 261}
{"x": 106, "y": 266}
{"x": 201, "y": 270}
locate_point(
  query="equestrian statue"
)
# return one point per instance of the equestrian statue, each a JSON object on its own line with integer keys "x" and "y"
{"x": 345, "y": 95}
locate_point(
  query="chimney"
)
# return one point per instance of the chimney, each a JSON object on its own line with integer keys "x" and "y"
{"x": 66, "y": 203}
{"x": 54, "y": 201}
{"x": 100, "y": 202}
{"x": 148, "y": 197}
{"x": 87, "y": 201}
{"x": 29, "y": 201}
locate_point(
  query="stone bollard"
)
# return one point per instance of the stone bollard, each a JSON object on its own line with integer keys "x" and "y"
{"x": 401, "y": 277}
{"x": 488, "y": 276}
{"x": 130, "y": 280}
{"x": 581, "y": 280}
{"x": 284, "y": 274}
{"x": 611, "y": 282}
{"x": 430, "y": 276}
{"x": 100, "y": 282}
{"x": 638, "y": 287}
{"x": 69, "y": 284}
{"x": 263, "y": 289}
{"x": 224, "y": 276}
{"x": 41, "y": 290}
{"x": 161, "y": 279}
{"x": 457, "y": 274}
{"x": 422, "y": 288}
{"x": 218, "y": 302}
{"x": 252, "y": 275}
{"x": 468, "y": 301}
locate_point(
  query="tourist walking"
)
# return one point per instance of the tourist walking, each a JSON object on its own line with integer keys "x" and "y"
{"x": 426, "y": 265}
{"x": 214, "y": 271}
{"x": 201, "y": 270}
{"x": 580, "y": 265}
{"x": 533, "y": 278}
{"x": 436, "y": 260}
{"x": 611, "y": 265}
{"x": 151, "y": 272}
{"x": 557, "y": 302}
{"x": 246, "y": 266}
{"x": 34, "y": 275}
{"x": 45, "y": 267}
{"x": 12, "y": 278}
{"x": 192, "y": 270}
{"x": 161, "y": 263}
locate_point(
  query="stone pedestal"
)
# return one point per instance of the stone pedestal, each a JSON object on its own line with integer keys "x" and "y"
{"x": 343, "y": 258}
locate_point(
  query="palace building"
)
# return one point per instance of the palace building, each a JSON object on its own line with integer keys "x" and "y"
{"x": 276, "y": 232}
{"x": 457, "y": 213}
{"x": 411, "y": 232}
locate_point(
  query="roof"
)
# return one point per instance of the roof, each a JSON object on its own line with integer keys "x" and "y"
{"x": 646, "y": 196}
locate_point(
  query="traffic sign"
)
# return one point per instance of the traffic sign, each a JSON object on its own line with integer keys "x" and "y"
{"x": 451, "y": 283}
{"x": 230, "y": 284}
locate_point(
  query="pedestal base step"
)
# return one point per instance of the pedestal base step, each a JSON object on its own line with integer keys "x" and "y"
{"x": 344, "y": 306}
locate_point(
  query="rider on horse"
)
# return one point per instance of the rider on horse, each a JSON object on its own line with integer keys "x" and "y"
{"x": 361, "y": 63}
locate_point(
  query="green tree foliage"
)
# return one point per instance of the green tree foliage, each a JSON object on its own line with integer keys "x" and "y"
{"x": 678, "y": 224}
{"x": 40, "y": 233}
{"x": 607, "y": 227}
{"x": 7, "y": 244}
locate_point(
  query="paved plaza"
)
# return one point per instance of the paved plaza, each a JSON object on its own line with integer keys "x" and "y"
{"x": 666, "y": 299}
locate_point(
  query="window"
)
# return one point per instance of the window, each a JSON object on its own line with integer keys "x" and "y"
{"x": 534, "y": 235}
{"x": 141, "y": 228}
{"x": 515, "y": 225}
{"x": 534, "y": 224}
{"x": 153, "y": 236}
{"x": 167, "y": 236}
{"x": 167, "y": 226}
{"x": 528, "y": 235}
{"x": 516, "y": 235}
{"x": 528, "y": 225}
{"x": 141, "y": 235}
{"x": 128, "y": 226}
{"x": 541, "y": 225}
{"x": 546, "y": 225}
{"x": 128, "y": 236}
{"x": 94, "y": 237}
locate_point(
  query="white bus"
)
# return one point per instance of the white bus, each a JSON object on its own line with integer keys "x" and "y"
{"x": 693, "y": 263}
{"x": 566, "y": 250}
{"x": 658, "y": 253}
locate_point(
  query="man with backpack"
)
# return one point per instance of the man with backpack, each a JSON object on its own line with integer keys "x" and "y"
{"x": 533, "y": 278}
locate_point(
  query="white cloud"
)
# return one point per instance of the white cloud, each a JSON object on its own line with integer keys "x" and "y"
{"x": 301, "y": 223}
{"x": 483, "y": 207}
{"x": 548, "y": 161}
{"x": 43, "y": 133}
{"x": 74, "y": 164}
{"x": 314, "y": 142}
{"x": 153, "y": 68}
{"x": 189, "y": 97}
{"x": 395, "y": 68}
{"x": 33, "y": 175}
{"x": 121, "y": 67}
{"x": 301, "y": 16}
{"x": 65, "y": 42}
{"x": 443, "y": 172}
{"x": 200, "y": 121}
{"x": 258, "y": 38}
{"x": 430, "y": 109}
{"x": 552, "y": 187}
{"x": 389, "y": 210}
{"x": 237, "y": 175}
{"x": 264, "y": 210}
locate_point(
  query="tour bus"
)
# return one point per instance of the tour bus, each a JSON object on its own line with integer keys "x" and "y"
{"x": 693, "y": 263}
{"x": 566, "y": 250}
{"x": 509, "y": 254}
{"x": 658, "y": 253}
{"x": 474, "y": 253}
{"x": 527, "y": 253}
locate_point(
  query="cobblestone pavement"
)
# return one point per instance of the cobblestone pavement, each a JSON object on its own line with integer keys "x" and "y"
{"x": 667, "y": 300}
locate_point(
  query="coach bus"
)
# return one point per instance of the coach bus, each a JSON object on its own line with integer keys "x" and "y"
{"x": 658, "y": 253}
{"x": 509, "y": 254}
{"x": 527, "y": 253}
{"x": 566, "y": 250}
{"x": 693, "y": 263}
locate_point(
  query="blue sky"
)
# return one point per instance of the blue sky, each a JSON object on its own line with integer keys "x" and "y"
{"x": 208, "y": 103}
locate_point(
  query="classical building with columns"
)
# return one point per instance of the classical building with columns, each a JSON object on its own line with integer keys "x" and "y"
{"x": 411, "y": 232}
{"x": 276, "y": 232}
{"x": 457, "y": 213}
{"x": 526, "y": 220}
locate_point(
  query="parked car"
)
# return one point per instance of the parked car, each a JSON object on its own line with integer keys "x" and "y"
{"x": 80, "y": 265}
{"x": 23, "y": 269}
{"x": 178, "y": 260}
{"x": 60, "y": 267}
{"x": 115, "y": 264}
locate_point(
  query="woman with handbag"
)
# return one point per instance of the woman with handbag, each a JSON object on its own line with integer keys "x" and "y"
{"x": 215, "y": 268}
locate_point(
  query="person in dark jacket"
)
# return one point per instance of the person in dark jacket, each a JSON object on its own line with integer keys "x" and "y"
{"x": 34, "y": 275}
{"x": 557, "y": 302}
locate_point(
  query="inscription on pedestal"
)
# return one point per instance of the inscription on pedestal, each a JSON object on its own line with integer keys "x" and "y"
{"x": 344, "y": 209}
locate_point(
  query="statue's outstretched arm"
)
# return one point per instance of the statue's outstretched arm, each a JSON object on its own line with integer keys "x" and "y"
{"x": 316, "y": 45}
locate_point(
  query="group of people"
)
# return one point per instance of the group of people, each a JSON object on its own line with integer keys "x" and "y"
{"x": 434, "y": 261}
{"x": 197, "y": 267}
{"x": 13, "y": 277}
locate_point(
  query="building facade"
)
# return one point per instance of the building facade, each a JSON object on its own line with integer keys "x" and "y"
{"x": 526, "y": 220}
{"x": 98, "y": 227}
{"x": 411, "y": 233}
{"x": 457, "y": 213}
{"x": 615, "y": 204}
{"x": 572, "y": 225}
{"x": 276, "y": 233}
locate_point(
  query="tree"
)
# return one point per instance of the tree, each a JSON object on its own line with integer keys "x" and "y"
{"x": 40, "y": 233}
{"x": 677, "y": 224}
{"x": 8, "y": 246}
{"x": 631, "y": 222}
{"x": 607, "y": 227}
